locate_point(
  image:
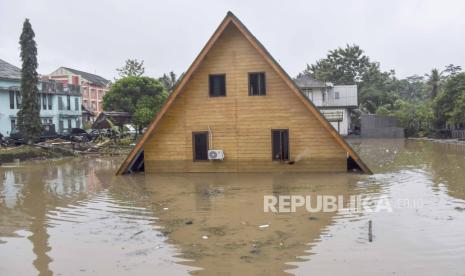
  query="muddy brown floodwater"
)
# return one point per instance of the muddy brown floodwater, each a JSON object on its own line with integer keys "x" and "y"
{"x": 74, "y": 217}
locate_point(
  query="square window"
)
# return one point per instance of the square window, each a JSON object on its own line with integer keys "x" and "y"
{"x": 257, "y": 85}
{"x": 217, "y": 85}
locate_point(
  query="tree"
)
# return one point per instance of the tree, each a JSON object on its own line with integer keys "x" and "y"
{"x": 132, "y": 68}
{"x": 346, "y": 65}
{"x": 142, "y": 97}
{"x": 452, "y": 70}
{"x": 145, "y": 110}
{"x": 29, "y": 114}
{"x": 350, "y": 65}
{"x": 449, "y": 106}
{"x": 433, "y": 80}
{"x": 168, "y": 81}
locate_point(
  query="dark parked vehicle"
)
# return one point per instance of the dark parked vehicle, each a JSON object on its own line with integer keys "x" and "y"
{"x": 76, "y": 135}
{"x": 48, "y": 132}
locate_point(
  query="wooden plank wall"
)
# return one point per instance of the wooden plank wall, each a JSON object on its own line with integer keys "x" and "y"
{"x": 241, "y": 124}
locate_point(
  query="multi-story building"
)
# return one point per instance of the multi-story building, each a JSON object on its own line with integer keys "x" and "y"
{"x": 336, "y": 102}
{"x": 60, "y": 104}
{"x": 93, "y": 87}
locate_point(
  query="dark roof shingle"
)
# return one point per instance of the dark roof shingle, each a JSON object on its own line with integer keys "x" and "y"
{"x": 88, "y": 76}
{"x": 9, "y": 71}
{"x": 306, "y": 81}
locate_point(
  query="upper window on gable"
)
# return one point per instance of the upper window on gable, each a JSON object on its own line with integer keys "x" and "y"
{"x": 257, "y": 85}
{"x": 217, "y": 85}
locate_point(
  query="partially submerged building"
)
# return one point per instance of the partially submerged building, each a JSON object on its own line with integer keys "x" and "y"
{"x": 237, "y": 110}
{"x": 336, "y": 102}
{"x": 60, "y": 104}
{"x": 93, "y": 87}
{"x": 109, "y": 119}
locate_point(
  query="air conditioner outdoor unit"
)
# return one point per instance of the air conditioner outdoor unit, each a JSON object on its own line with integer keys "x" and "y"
{"x": 215, "y": 155}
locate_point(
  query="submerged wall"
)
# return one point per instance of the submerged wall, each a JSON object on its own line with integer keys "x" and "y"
{"x": 379, "y": 126}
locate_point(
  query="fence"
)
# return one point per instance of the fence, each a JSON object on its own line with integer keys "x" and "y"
{"x": 458, "y": 134}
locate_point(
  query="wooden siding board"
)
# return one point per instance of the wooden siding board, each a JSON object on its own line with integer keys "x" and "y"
{"x": 239, "y": 122}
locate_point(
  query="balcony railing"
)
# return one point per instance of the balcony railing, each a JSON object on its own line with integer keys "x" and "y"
{"x": 58, "y": 87}
{"x": 341, "y": 101}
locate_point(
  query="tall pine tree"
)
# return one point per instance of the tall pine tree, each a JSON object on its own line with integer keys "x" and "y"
{"x": 29, "y": 114}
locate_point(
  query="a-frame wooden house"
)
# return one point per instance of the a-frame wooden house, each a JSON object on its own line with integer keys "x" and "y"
{"x": 236, "y": 99}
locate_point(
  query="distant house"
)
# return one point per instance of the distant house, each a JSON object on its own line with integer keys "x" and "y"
{"x": 336, "y": 102}
{"x": 60, "y": 104}
{"x": 93, "y": 87}
{"x": 237, "y": 110}
{"x": 108, "y": 119}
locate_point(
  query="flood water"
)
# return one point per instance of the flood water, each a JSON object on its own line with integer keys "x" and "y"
{"x": 74, "y": 217}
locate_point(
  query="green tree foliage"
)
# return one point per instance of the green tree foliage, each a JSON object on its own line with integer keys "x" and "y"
{"x": 29, "y": 114}
{"x": 168, "y": 81}
{"x": 451, "y": 70}
{"x": 449, "y": 105}
{"x": 434, "y": 80}
{"x": 418, "y": 102}
{"x": 132, "y": 68}
{"x": 145, "y": 111}
{"x": 347, "y": 65}
{"x": 350, "y": 65}
{"x": 140, "y": 96}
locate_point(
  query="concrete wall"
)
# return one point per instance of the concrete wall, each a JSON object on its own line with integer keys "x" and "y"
{"x": 378, "y": 126}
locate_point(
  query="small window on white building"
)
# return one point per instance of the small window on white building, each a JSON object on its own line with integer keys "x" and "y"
{"x": 308, "y": 93}
{"x": 44, "y": 101}
{"x": 336, "y": 95}
{"x": 12, "y": 100}
{"x": 60, "y": 103}
{"x": 60, "y": 126}
{"x": 18, "y": 100}
{"x": 13, "y": 125}
{"x": 49, "y": 97}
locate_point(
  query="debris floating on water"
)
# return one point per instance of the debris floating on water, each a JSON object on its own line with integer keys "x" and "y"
{"x": 140, "y": 232}
{"x": 205, "y": 237}
{"x": 370, "y": 231}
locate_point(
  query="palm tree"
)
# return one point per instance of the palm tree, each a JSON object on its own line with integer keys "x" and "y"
{"x": 433, "y": 79}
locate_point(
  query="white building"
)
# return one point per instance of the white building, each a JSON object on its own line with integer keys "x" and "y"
{"x": 60, "y": 105}
{"x": 336, "y": 102}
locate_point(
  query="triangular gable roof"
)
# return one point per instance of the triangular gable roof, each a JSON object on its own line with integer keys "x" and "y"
{"x": 232, "y": 19}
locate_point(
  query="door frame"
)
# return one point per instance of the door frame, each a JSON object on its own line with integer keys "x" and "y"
{"x": 288, "y": 144}
{"x": 193, "y": 145}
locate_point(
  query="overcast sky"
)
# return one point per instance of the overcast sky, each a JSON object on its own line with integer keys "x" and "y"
{"x": 97, "y": 36}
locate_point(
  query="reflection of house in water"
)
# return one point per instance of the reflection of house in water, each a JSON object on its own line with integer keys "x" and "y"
{"x": 28, "y": 195}
{"x": 228, "y": 209}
